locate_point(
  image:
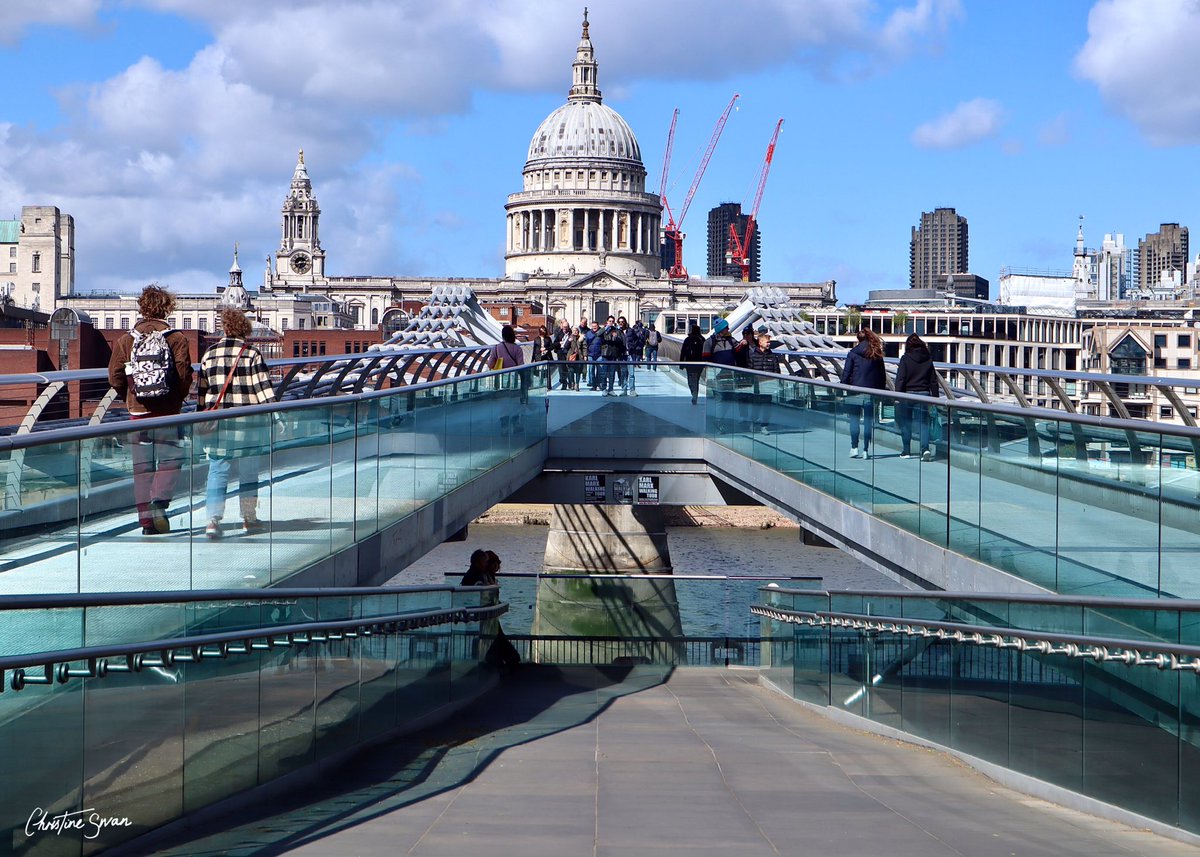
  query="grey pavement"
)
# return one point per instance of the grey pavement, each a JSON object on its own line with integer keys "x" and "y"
{"x": 584, "y": 761}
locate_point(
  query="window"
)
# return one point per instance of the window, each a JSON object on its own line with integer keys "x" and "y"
{"x": 1160, "y": 340}
{"x": 1164, "y": 412}
{"x": 300, "y": 323}
{"x": 1185, "y": 340}
{"x": 12, "y": 252}
{"x": 322, "y": 346}
{"x": 284, "y": 325}
{"x": 37, "y": 263}
{"x": 124, "y": 322}
{"x": 203, "y": 325}
{"x": 108, "y": 323}
{"x": 172, "y": 322}
{"x": 374, "y": 315}
{"x": 187, "y": 322}
{"x": 1184, "y": 363}
{"x": 12, "y": 267}
{"x": 504, "y": 312}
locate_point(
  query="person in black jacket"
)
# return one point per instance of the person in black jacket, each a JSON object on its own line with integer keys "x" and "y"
{"x": 762, "y": 359}
{"x": 692, "y": 351}
{"x": 863, "y": 368}
{"x": 915, "y": 375}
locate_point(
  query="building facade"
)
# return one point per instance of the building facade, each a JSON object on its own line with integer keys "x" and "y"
{"x": 938, "y": 248}
{"x": 720, "y": 219}
{"x": 1162, "y": 261}
{"x": 37, "y": 258}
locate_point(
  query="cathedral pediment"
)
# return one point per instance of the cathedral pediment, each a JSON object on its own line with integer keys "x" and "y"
{"x": 602, "y": 281}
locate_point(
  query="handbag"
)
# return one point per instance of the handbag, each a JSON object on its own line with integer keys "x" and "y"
{"x": 210, "y": 427}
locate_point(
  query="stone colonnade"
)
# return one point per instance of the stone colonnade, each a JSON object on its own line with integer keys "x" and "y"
{"x": 586, "y": 230}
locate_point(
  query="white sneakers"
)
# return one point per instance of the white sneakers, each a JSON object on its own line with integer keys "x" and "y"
{"x": 926, "y": 455}
{"x": 855, "y": 452}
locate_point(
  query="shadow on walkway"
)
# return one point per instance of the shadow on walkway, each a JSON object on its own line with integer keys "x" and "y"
{"x": 534, "y": 703}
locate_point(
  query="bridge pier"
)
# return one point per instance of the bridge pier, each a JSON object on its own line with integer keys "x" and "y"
{"x": 587, "y": 542}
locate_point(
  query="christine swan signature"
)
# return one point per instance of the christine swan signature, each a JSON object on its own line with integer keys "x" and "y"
{"x": 87, "y": 821}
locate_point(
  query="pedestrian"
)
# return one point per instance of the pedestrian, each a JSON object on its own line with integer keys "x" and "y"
{"x": 595, "y": 370}
{"x": 151, "y": 369}
{"x": 543, "y": 352}
{"x": 863, "y": 368}
{"x": 234, "y": 374}
{"x": 477, "y": 571}
{"x": 653, "y": 340}
{"x": 577, "y": 356}
{"x": 502, "y": 653}
{"x": 506, "y": 354}
{"x": 762, "y": 359}
{"x": 915, "y": 374}
{"x": 566, "y": 351}
{"x": 692, "y": 352}
{"x": 633, "y": 350}
{"x": 719, "y": 349}
{"x": 613, "y": 354}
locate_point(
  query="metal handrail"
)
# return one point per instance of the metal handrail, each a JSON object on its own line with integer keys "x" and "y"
{"x": 1174, "y": 656}
{"x": 132, "y": 657}
{"x": 1182, "y": 604}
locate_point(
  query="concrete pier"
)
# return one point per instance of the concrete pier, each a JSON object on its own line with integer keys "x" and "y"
{"x": 586, "y": 543}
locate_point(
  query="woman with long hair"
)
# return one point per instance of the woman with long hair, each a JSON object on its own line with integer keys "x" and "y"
{"x": 863, "y": 368}
{"x": 915, "y": 375}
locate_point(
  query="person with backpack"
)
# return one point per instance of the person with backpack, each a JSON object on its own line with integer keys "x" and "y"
{"x": 719, "y": 349}
{"x": 151, "y": 369}
{"x": 864, "y": 367}
{"x": 653, "y": 340}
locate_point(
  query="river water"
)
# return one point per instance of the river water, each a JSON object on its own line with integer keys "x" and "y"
{"x": 707, "y": 607}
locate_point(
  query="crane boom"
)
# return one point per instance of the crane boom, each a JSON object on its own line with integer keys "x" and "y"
{"x": 673, "y": 231}
{"x": 712, "y": 144}
{"x": 666, "y": 167}
{"x": 739, "y": 247}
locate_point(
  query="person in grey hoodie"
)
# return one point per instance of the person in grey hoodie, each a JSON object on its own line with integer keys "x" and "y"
{"x": 915, "y": 375}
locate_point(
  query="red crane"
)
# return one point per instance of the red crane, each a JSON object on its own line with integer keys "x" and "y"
{"x": 739, "y": 247}
{"x": 673, "y": 230}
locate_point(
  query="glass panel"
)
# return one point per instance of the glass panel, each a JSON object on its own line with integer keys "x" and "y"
{"x": 396, "y": 457}
{"x": 366, "y": 467}
{"x": 301, "y": 511}
{"x": 231, "y": 493}
{"x": 343, "y": 423}
{"x": 964, "y": 433}
{"x": 1108, "y": 527}
{"x": 1179, "y": 536}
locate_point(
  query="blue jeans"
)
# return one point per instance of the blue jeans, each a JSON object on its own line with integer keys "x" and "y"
{"x": 908, "y": 413}
{"x": 628, "y": 383}
{"x": 858, "y": 411}
{"x": 245, "y": 467}
{"x": 613, "y": 371}
{"x": 652, "y": 357}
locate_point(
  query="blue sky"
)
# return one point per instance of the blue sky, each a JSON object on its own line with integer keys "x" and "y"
{"x": 169, "y": 128}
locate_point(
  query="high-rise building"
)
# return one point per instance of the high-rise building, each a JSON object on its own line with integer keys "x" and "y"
{"x": 938, "y": 248}
{"x": 719, "y": 220}
{"x": 1162, "y": 258}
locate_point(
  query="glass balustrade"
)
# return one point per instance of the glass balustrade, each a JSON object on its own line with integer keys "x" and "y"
{"x": 152, "y": 744}
{"x": 1116, "y": 731}
{"x": 1078, "y": 507}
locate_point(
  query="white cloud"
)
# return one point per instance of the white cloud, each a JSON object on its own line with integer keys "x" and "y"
{"x": 168, "y": 166}
{"x": 18, "y": 16}
{"x": 1140, "y": 55}
{"x": 968, "y": 123}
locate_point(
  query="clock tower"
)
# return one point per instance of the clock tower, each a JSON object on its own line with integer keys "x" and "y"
{"x": 300, "y": 259}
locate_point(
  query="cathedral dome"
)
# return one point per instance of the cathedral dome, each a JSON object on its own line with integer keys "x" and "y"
{"x": 584, "y": 129}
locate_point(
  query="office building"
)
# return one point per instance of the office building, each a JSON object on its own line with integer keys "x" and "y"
{"x": 720, "y": 218}
{"x": 938, "y": 248}
{"x": 1161, "y": 265}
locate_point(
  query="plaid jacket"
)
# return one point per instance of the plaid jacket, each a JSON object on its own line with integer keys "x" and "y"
{"x": 250, "y": 385}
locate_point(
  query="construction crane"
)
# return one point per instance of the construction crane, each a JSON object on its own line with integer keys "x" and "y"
{"x": 739, "y": 246}
{"x": 673, "y": 231}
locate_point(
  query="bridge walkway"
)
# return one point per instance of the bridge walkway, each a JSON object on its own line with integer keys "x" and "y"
{"x": 562, "y": 761}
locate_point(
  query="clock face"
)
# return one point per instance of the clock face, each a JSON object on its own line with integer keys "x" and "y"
{"x": 300, "y": 263}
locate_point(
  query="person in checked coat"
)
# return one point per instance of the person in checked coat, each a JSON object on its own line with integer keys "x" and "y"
{"x": 234, "y": 374}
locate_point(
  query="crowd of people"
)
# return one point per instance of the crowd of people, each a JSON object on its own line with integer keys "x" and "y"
{"x": 605, "y": 355}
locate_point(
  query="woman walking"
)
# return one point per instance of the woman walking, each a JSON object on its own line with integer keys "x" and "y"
{"x": 863, "y": 368}
{"x": 915, "y": 375}
{"x": 233, "y": 374}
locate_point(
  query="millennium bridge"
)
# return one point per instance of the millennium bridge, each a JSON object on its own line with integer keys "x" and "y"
{"x": 267, "y": 692}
